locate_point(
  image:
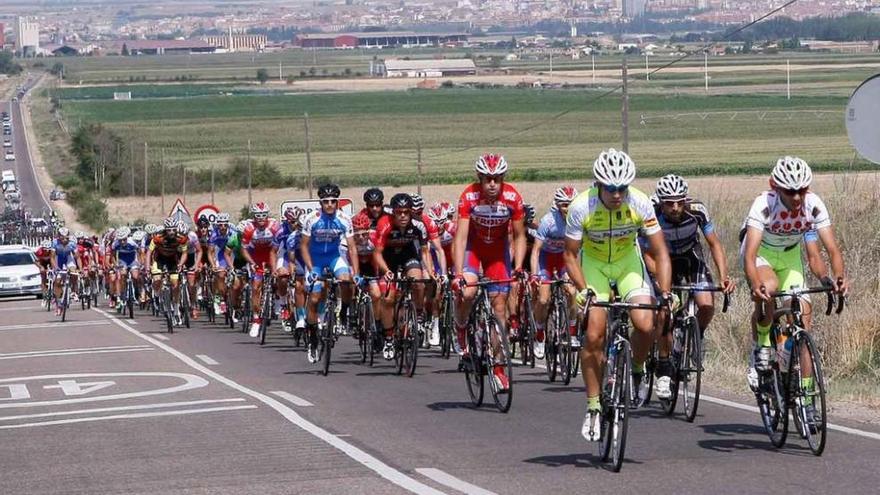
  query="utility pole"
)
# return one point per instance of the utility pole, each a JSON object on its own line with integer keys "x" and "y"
{"x": 593, "y": 63}
{"x": 308, "y": 156}
{"x": 706, "y": 70}
{"x": 183, "y": 169}
{"x": 419, "y": 165}
{"x": 647, "y": 70}
{"x": 162, "y": 179}
{"x": 146, "y": 171}
{"x": 212, "y": 183}
{"x": 625, "y": 109}
{"x": 787, "y": 79}
{"x": 250, "y": 174}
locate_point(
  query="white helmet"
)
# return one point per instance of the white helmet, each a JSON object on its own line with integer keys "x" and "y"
{"x": 491, "y": 164}
{"x": 565, "y": 194}
{"x": 614, "y": 168}
{"x": 46, "y": 244}
{"x": 123, "y": 232}
{"x": 791, "y": 173}
{"x": 63, "y": 232}
{"x": 150, "y": 228}
{"x": 138, "y": 236}
{"x": 671, "y": 187}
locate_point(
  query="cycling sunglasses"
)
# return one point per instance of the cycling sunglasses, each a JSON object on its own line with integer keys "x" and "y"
{"x": 329, "y": 201}
{"x": 792, "y": 192}
{"x": 615, "y": 189}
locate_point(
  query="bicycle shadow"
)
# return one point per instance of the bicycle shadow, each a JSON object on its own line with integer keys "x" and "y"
{"x": 581, "y": 460}
{"x": 313, "y": 372}
{"x": 563, "y": 388}
{"x": 451, "y": 406}
{"x": 733, "y": 440}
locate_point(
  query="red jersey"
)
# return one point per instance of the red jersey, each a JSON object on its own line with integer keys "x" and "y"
{"x": 490, "y": 221}
{"x": 43, "y": 255}
{"x": 430, "y": 227}
{"x": 85, "y": 253}
{"x": 261, "y": 241}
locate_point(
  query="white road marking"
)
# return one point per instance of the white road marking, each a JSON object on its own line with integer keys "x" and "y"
{"x": 72, "y": 352}
{"x": 753, "y": 409}
{"x": 75, "y": 388}
{"x": 22, "y": 308}
{"x": 120, "y": 408}
{"x": 160, "y": 336}
{"x": 447, "y": 479}
{"x": 395, "y": 476}
{"x": 296, "y": 401}
{"x": 57, "y": 324}
{"x": 133, "y": 322}
{"x": 127, "y": 416}
{"x": 191, "y": 382}
{"x": 207, "y": 359}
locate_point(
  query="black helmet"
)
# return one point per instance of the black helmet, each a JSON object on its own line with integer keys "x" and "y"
{"x": 373, "y": 195}
{"x": 401, "y": 200}
{"x": 328, "y": 191}
{"x": 204, "y": 222}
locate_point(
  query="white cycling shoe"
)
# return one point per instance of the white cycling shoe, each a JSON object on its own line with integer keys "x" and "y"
{"x": 592, "y": 427}
{"x": 539, "y": 350}
{"x": 255, "y": 329}
{"x": 663, "y": 387}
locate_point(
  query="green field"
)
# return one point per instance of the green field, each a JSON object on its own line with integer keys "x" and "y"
{"x": 358, "y": 136}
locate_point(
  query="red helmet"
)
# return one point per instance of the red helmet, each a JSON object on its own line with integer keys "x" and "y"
{"x": 491, "y": 164}
{"x": 291, "y": 214}
{"x": 361, "y": 222}
{"x": 437, "y": 213}
{"x": 565, "y": 194}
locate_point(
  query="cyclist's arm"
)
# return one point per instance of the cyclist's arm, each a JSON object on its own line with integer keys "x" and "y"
{"x": 572, "y": 263}
{"x": 352, "y": 256}
{"x": 718, "y": 256}
{"x": 519, "y": 244}
{"x": 427, "y": 260}
{"x": 535, "y": 254}
{"x": 148, "y": 256}
{"x": 198, "y": 254}
{"x": 826, "y": 235}
{"x": 650, "y": 262}
{"x": 379, "y": 259}
{"x": 181, "y": 262}
{"x": 459, "y": 244}
{"x": 750, "y": 256}
{"x": 814, "y": 258}
{"x": 306, "y": 255}
{"x": 212, "y": 256}
{"x": 658, "y": 250}
{"x": 227, "y": 253}
{"x": 441, "y": 256}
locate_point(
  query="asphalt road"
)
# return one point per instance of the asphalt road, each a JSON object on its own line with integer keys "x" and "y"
{"x": 32, "y": 197}
{"x": 99, "y": 405}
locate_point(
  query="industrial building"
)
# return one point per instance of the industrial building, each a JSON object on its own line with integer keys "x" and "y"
{"x": 383, "y": 39}
{"x": 27, "y": 36}
{"x": 162, "y": 47}
{"x": 237, "y": 42}
{"x": 426, "y": 68}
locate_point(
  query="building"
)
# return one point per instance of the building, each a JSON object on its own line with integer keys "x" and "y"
{"x": 377, "y": 40}
{"x": 162, "y": 47}
{"x": 634, "y": 8}
{"x": 27, "y": 36}
{"x": 238, "y": 42}
{"x": 2, "y": 35}
{"x": 426, "y": 68}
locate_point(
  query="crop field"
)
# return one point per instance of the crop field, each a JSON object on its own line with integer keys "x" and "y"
{"x": 359, "y": 136}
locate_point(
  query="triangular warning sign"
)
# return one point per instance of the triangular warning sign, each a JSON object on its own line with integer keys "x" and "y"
{"x": 180, "y": 213}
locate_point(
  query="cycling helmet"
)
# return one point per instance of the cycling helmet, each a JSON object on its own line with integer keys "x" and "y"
{"x": 418, "y": 202}
{"x": 260, "y": 208}
{"x": 491, "y": 164}
{"x": 529, "y": 211}
{"x": 565, "y": 194}
{"x": 150, "y": 228}
{"x": 671, "y": 187}
{"x": 138, "y": 236}
{"x": 110, "y": 231}
{"x": 182, "y": 228}
{"x": 46, "y": 244}
{"x": 328, "y": 191}
{"x": 169, "y": 224}
{"x": 791, "y": 173}
{"x": 374, "y": 195}
{"x": 222, "y": 218}
{"x": 203, "y": 222}
{"x": 64, "y": 232}
{"x": 437, "y": 213}
{"x": 290, "y": 214}
{"x": 401, "y": 200}
{"x": 448, "y": 208}
{"x": 123, "y": 232}
{"x": 303, "y": 217}
{"x": 80, "y": 234}
{"x": 614, "y": 168}
{"x": 361, "y": 222}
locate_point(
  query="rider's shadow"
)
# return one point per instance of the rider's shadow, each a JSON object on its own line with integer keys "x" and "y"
{"x": 581, "y": 460}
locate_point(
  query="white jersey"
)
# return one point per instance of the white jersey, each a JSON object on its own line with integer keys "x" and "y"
{"x": 782, "y": 227}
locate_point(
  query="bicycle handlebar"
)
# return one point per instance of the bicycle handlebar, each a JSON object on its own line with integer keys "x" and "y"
{"x": 829, "y": 307}
{"x": 705, "y": 288}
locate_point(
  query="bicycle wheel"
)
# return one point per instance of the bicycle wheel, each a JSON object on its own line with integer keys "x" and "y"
{"x": 527, "y": 330}
{"x": 446, "y": 327}
{"x": 410, "y": 340}
{"x": 83, "y": 298}
{"x": 813, "y": 429}
{"x": 473, "y": 368}
{"x": 65, "y": 301}
{"x": 169, "y": 314}
{"x": 326, "y": 343}
{"x": 772, "y": 405}
{"x": 246, "y": 309}
{"x": 503, "y": 398}
{"x": 265, "y": 313}
{"x": 615, "y": 406}
{"x": 364, "y": 337}
{"x": 551, "y": 344}
{"x": 691, "y": 371}
{"x": 95, "y": 290}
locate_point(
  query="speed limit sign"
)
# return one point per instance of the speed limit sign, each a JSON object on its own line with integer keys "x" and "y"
{"x": 208, "y": 211}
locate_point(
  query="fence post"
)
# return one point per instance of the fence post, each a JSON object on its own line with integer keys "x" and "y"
{"x": 146, "y": 171}
{"x": 250, "y": 174}
{"x": 419, "y": 165}
{"x": 308, "y": 156}
{"x": 212, "y": 183}
{"x": 625, "y": 109}
{"x": 162, "y": 180}
{"x": 183, "y": 169}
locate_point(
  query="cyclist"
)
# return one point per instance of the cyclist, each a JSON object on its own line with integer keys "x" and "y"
{"x": 776, "y": 224}
{"x": 487, "y": 210}
{"x": 259, "y": 241}
{"x": 141, "y": 239}
{"x": 365, "y": 244}
{"x": 199, "y": 242}
{"x": 440, "y": 264}
{"x": 289, "y": 225}
{"x": 43, "y": 260}
{"x": 441, "y": 214}
{"x": 63, "y": 257}
{"x": 217, "y": 242}
{"x": 547, "y": 259}
{"x": 322, "y": 237}
{"x": 602, "y": 225}
{"x": 374, "y": 206}
{"x": 682, "y": 219}
{"x": 106, "y": 260}
{"x": 401, "y": 247}
{"x": 234, "y": 254}
{"x": 125, "y": 250}
{"x": 87, "y": 256}
{"x": 167, "y": 251}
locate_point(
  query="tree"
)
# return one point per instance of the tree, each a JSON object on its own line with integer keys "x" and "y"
{"x": 125, "y": 52}
{"x": 57, "y": 69}
{"x": 262, "y": 76}
{"x": 7, "y": 64}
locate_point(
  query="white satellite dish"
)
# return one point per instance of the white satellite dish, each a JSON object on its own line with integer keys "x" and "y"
{"x": 863, "y": 119}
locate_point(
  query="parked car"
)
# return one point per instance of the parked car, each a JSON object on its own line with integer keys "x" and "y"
{"x": 10, "y": 156}
{"x": 56, "y": 195}
{"x": 19, "y": 275}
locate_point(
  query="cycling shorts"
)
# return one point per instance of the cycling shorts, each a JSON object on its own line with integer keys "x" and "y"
{"x": 164, "y": 263}
{"x": 494, "y": 261}
{"x": 284, "y": 262}
{"x": 44, "y": 264}
{"x": 550, "y": 263}
{"x": 628, "y": 272}
{"x": 68, "y": 264}
{"x": 221, "y": 261}
{"x": 403, "y": 264}
{"x": 131, "y": 265}
{"x": 190, "y": 261}
{"x": 690, "y": 268}
{"x": 334, "y": 263}
{"x": 788, "y": 265}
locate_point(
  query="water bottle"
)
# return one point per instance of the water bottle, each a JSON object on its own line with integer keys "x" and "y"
{"x": 783, "y": 353}
{"x": 676, "y": 341}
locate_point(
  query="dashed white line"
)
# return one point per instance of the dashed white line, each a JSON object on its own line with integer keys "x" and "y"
{"x": 120, "y": 408}
{"x": 159, "y": 336}
{"x": 207, "y": 359}
{"x": 296, "y": 401}
{"x": 57, "y": 324}
{"x": 395, "y": 476}
{"x": 72, "y": 352}
{"x": 447, "y": 479}
{"x": 128, "y": 416}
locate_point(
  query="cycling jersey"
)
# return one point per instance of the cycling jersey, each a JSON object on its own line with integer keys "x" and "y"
{"x": 126, "y": 251}
{"x": 683, "y": 237}
{"x": 401, "y": 247}
{"x": 168, "y": 247}
{"x": 44, "y": 256}
{"x": 610, "y": 235}
{"x": 292, "y": 244}
{"x": 447, "y": 235}
{"x": 551, "y": 233}
{"x": 374, "y": 221}
{"x": 783, "y": 228}
{"x": 366, "y": 246}
{"x": 490, "y": 221}
{"x": 64, "y": 254}
{"x": 84, "y": 251}
{"x": 234, "y": 245}
{"x": 218, "y": 241}
{"x": 430, "y": 227}
{"x": 326, "y": 232}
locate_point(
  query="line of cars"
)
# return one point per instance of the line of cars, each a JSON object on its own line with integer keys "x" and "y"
{"x": 8, "y": 151}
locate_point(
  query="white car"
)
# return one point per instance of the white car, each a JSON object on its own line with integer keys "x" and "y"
{"x": 7, "y": 143}
{"x": 19, "y": 275}
{"x": 10, "y": 156}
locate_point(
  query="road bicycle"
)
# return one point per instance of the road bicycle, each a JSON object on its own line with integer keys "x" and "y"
{"x": 129, "y": 295}
{"x": 524, "y": 340}
{"x": 165, "y": 301}
{"x": 559, "y": 355}
{"x": 487, "y": 346}
{"x": 327, "y": 328}
{"x": 795, "y": 382}
{"x": 406, "y": 325}
{"x": 64, "y": 302}
{"x": 369, "y": 339}
{"x": 267, "y": 300}
{"x": 446, "y": 318}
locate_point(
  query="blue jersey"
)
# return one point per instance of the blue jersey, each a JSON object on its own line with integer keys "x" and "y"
{"x": 63, "y": 252}
{"x": 292, "y": 246}
{"x": 219, "y": 240}
{"x": 126, "y": 250}
{"x": 326, "y": 232}
{"x": 551, "y": 232}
